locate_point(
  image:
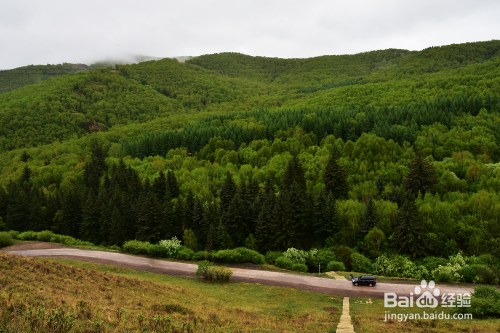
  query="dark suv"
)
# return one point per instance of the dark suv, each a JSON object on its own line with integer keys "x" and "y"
{"x": 365, "y": 280}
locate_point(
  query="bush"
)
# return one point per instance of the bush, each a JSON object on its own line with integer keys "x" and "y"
{"x": 360, "y": 263}
{"x": 344, "y": 254}
{"x": 323, "y": 257}
{"x": 485, "y": 303}
{"x": 335, "y": 266}
{"x": 136, "y": 247}
{"x": 185, "y": 253}
{"x": 27, "y": 236}
{"x": 112, "y": 247}
{"x": 271, "y": 256}
{"x": 14, "y": 234}
{"x": 44, "y": 236}
{"x": 6, "y": 239}
{"x": 487, "y": 275}
{"x": 238, "y": 255}
{"x": 202, "y": 255}
{"x": 400, "y": 266}
{"x": 299, "y": 268}
{"x": 296, "y": 256}
{"x": 469, "y": 273}
{"x": 210, "y": 272}
{"x": 444, "y": 275}
{"x": 488, "y": 259}
{"x": 158, "y": 251}
{"x": 284, "y": 262}
{"x": 67, "y": 240}
{"x": 171, "y": 246}
{"x": 431, "y": 263}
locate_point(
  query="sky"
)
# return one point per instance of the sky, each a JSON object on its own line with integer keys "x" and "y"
{"x": 57, "y": 31}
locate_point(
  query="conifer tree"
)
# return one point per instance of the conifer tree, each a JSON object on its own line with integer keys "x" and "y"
{"x": 286, "y": 225}
{"x": 264, "y": 232}
{"x": 238, "y": 220}
{"x": 91, "y": 214}
{"x": 294, "y": 173}
{"x": 188, "y": 211}
{"x": 335, "y": 178}
{"x": 211, "y": 220}
{"x": 117, "y": 231}
{"x": 172, "y": 185}
{"x": 370, "y": 219}
{"x": 150, "y": 219}
{"x": 71, "y": 212}
{"x": 211, "y": 238}
{"x": 224, "y": 241}
{"x": 160, "y": 186}
{"x": 380, "y": 184}
{"x": 24, "y": 156}
{"x": 409, "y": 235}
{"x": 227, "y": 193}
{"x": 17, "y": 214}
{"x": 25, "y": 175}
{"x": 326, "y": 221}
{"x": 421, "y": 177}
{"x": 198, "y": 216}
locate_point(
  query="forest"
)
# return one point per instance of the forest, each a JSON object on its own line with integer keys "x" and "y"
{"x": 387, "y": 154}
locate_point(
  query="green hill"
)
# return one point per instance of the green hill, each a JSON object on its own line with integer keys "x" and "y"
{"x": 149, "y": 150}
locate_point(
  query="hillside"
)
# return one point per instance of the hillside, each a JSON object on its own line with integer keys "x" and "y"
{"x": 303, "y": 153}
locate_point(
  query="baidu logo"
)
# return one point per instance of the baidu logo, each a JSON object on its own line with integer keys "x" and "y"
{"x": 427, "y": 294}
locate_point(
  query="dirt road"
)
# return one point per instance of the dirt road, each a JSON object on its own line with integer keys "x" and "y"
{"x": 308, "y": 283}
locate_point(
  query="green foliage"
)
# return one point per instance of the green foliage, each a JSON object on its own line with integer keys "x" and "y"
{"x": 136, "y": 247}
{"x": 271, "y": 256}
{"x": 158, "y": 251}
{"x": 284, "y": 262}
{"x": 485, "y": 303}
{"x": 190, "y": 240}
{"x": 322, "y": 256}
{"x": 185, "y": 253}
{"x": 28, "y": 236}
{"x": 210, "y": 272}
{"x": 469, "y": 273}
{"x": 6, "y": 239}
{"x": 14, "y": 234}
{"x": 238, "y": 255}
{"x": 44, "y": 236}
{"x": 299, "y": 268}
{"x": 400, "y": 266}
{"x": 250, "y": 243}
{"x": 360, "y": 263}
{"x": 335, "y": 266}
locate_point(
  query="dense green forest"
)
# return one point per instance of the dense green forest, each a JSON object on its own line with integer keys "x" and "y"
{"x": 382, "y": 152}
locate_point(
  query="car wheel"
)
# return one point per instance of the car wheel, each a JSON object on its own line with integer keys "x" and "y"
{"x": 371, "y": 284}
{"x": 356, "y": 284}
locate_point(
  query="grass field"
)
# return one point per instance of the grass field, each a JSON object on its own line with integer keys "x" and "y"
{"x": 48, "y": 295}
{"x": 369, "y": 317}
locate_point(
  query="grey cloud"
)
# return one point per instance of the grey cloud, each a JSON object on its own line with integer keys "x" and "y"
{"x": 54, "y": 31}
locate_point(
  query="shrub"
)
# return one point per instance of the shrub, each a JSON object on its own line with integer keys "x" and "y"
{"x": 485, "y": 303}
{"x": 299, "y": 267}
{"x": 271, "y": 256}
{"x": 158, "y": 251}
{"x": 6, "y": 239}
{"x": 44, "y": 236}
{"x": 360, "y": 263}
{"x": 344, "y": 254}
{"x": 185, "y": 253}
{"x": 248, "y": 255}
{"x": 136, "y": 247}
{"x": 112, "y": 247}
{"x": 27, "y": 235}
{"x": 323, "y": 257}
{"x": 202, "y": 255}
{"x": 190, "y": 239}
{"x": 210, "y": 272}
{"x": 431, "y": 263}
{"x": 488, "y": 259}
{"x": 400, "y": 266}
{"x": 284, "y": 262}
{"x": 67, "y": 240}
{"x": 443, "y": 275}
{"x": 452, "y": 268}
{"x": 14, "y": 234}
{"x": 226, "y": 256}
{"x": 335, "y": 266}
{"x": 487, "y": 275}
{"x": 54, "y": 238}
{"x": 296, "y": 256}
{"x": 469, "y": 273}
{"x": 171, "y": 245}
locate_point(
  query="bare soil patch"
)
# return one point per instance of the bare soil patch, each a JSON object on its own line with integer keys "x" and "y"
{"x": 32, "y": 246}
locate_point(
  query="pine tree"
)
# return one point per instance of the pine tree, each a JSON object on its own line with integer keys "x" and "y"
{"x": 326, "y": 221}
{"x": 237, "y": 220}
{"x": 224, "y": 241}
{"x": 36, "y": 221}
{"x": 17, "y": 214}
{"x": 25, "y": 175}
{"x": 172, "y": 185}
{"x": 370, "y": 219}
{"x": 160, "y": 186}
{"x": 117, "y": 230}
{"x": 188, "y": 211}
{"x": 211, "y": 218}
{"x": 286, "y": 225}
{"x": 24, "y": 156}
{"x": 227, "y": 193}
{"x": 410, "y": 234}
{"x": 264, "y": 232}
{"x": 335, "y": 179}
{"x": 91, "y": 214}
{"x": 212, "y": 238}
{"x": 198, "y": 216}
{"x": 294, "y": 173}
{"x": 380, "y": 184}
{"x": 421, "y": 177}
{"x": 71, "y": 212}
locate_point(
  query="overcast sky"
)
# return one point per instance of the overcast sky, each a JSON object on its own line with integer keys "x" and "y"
{"x": 56, "y": 31}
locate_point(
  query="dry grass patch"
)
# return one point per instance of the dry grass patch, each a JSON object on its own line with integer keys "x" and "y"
{"x": 41, "y": 295}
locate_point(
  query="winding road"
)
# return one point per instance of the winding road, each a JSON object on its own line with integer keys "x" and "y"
{"x": 308, "y": 283}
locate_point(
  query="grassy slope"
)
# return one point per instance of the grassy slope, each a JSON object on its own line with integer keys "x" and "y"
{"x": 88, "y": 295}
